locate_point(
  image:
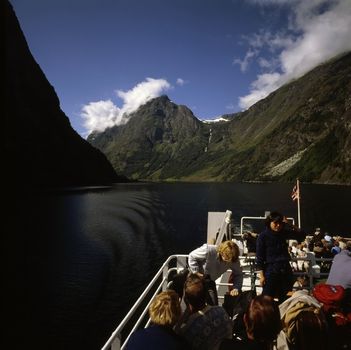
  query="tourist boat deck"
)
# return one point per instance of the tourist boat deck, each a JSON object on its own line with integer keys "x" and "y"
{"x": 137, "y": 317}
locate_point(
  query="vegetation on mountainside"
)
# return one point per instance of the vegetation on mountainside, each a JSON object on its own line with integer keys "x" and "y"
{"x": 302, "y": 129}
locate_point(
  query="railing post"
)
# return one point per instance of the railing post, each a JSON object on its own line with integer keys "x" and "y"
{"x": 116, "y": 344}
{"x": 310, "y": 272}
{"x": 181, "y": 262}
{"x": 253, "y": 273}
{"x": 165, "y": 277}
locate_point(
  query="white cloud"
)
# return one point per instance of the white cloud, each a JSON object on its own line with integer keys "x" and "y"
{"x": 103, "y": 114}
{"x": 100, "y": 115}
{"x": 245, "y": 62}
{"x": 264, "y": 63}
{"x": 273, "y": 41}
{"x": 265, "y": 84}
{"x": 140, "y": 94}
{"x": 180, "y": 82}
{"x": 321, "y": 30}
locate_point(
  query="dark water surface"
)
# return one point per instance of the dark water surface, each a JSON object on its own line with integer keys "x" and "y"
{"x": 82, "y": 257}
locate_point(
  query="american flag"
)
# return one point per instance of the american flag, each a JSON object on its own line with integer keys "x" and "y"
{"x": 295, "y": 194}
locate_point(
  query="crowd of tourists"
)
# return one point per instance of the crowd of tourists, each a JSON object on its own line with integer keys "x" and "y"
{"x": 320, "y": 246}
{"x": 188, "y": 315}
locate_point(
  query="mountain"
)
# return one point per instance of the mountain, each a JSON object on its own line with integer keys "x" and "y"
{"x": 41, "y": 148}
{"x": 161, "y": 141}
{"x": 303, "y": 130}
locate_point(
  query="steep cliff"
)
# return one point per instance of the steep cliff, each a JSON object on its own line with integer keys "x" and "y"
{"x": 41, "y": 148}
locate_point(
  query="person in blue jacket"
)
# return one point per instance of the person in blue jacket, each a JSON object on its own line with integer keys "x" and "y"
{"x": 273, "y": 258}
{"x": 164, "y": 312}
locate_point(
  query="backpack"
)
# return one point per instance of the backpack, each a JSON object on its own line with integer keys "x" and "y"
{"x": 336, "y": 300}
{"x": 236, "y": 306}
{"x": 329, "y": 295}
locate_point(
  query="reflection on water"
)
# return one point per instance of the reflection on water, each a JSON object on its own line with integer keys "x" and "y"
{"x": 87, "y": 255}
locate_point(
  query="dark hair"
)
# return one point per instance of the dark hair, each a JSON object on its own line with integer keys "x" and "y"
{"x": 195, "y": 292}
{"x": 273, "y": 217}
{"x": 262, "y": 319}
{"x": 311, "y": 331}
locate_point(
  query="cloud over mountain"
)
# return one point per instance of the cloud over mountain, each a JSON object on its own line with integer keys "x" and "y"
{"x": 100, "y": 115}
{"x": 318, "y": 30}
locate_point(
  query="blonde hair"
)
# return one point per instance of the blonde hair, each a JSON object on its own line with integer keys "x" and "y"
{"x": 228, "y": 249}
{"x": 165, "y": 309}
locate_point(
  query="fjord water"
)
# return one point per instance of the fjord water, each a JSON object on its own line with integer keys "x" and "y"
{"x": 88, "y": 253}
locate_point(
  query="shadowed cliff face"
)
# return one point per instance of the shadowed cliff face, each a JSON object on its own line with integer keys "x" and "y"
{"x": 40, "y": 146}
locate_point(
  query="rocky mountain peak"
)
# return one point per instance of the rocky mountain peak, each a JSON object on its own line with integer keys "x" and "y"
{"x": 300, "y": 130}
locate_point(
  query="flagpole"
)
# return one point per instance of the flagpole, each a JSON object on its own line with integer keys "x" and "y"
{"x": 298, "y": 203}
{"x": 295, "y": 195}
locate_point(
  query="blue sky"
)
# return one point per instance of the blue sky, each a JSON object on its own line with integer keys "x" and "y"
{"x": 107, "y": 57}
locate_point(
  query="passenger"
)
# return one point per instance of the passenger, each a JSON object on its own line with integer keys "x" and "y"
{"x": 304, "y": 324}
{"x": 336, "y": 303}
{"x": 326, "y": 254}
{"x": 302, "y": 265}
{"x": 202, "y": 326}
{"x": 328, "y": 237}
{"x": 293, "y": 255}
{"x": 340, "y": 272}
{"x": 342, "y": 244}
{"x": 304, "y": 246}
{"x": 272, "y": 256}
{"x": 318, "y": 249}
{"x": 211, "y": 261}
{"x": 164, "y": 313}
{"x": 250, "y": 238}
{"x": 317, "y": 237}
{"x": 336, "y": 248}
{"x": 300, "y": 283}
{"x": 262, "y": 323}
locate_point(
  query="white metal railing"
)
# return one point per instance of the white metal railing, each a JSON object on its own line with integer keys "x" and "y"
{"x": 226, "y": 221}
{"x": 161, "y": 277}
{"x": 177, "y": 263}
{"x": 245, "y": 218}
